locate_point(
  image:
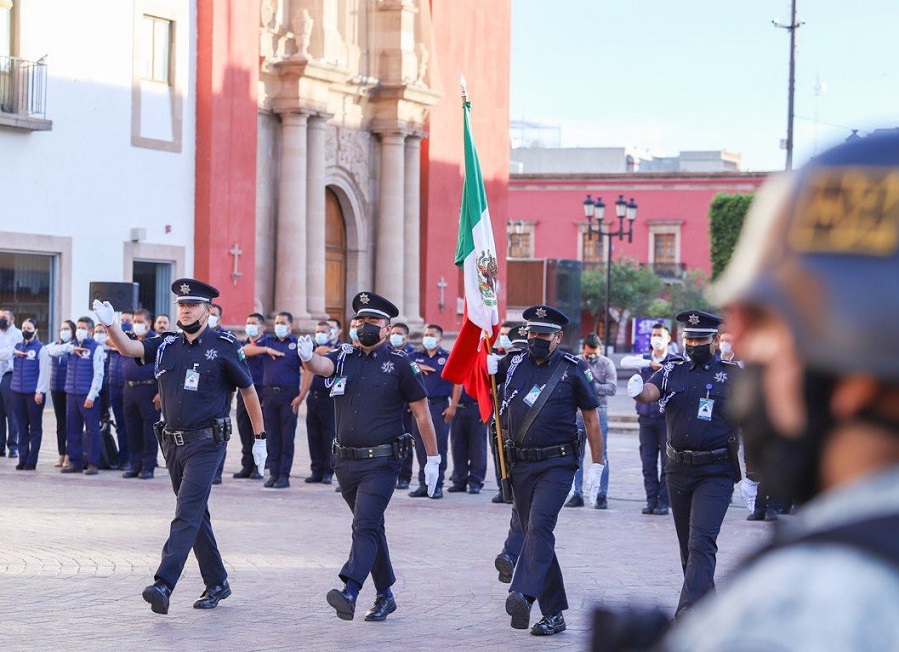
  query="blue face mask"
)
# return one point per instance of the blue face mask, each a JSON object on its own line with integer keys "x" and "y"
{"x": 354, "y": 334}
{"x": 281, "y": 330}
{"x": 505, "y": 343}
{"x": 429, "y": 342}
{"x": 396, "y": 340}
{"x": 321, "y": 338}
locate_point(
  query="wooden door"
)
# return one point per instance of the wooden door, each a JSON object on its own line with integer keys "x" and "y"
{"x": 335, "y": 259}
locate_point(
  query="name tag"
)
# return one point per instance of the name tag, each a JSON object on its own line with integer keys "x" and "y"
{"x": 706, "y": 405}
{"x": 339, "y": 386}
{"x": 532, "y": 395}
{"x": 191, "y": 380}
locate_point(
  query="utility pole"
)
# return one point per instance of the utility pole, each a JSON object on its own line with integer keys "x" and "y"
{"x": 792, "y": 27}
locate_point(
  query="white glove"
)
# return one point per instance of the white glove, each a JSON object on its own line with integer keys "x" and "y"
{"x": 493, "y": 363}
{"x": 304, "y": 348}
{"x": 749, "y": 489}
{"x": 260, "y": 454}
{"x": 634, "y": 362}
{"x": 635, "y": 385}
{"x": 594, "y": 475}
{"x": 432, "y": 470}
{"x": 104, "y": 311}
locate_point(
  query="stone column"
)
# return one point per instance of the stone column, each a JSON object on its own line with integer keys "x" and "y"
{"x": 389, "y": 266}
{"x": 290, "y": 252}
{"x": 412, "y": 231}
{"x": 315, "y": 219}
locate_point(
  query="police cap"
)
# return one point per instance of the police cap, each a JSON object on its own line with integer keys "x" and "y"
{"x": 697, "y": 323}
{"x": 519, "y": 335}
{"x": 369, "y": 304}
{"x": 190, "y": 290}
{"x": 544, "y": 319}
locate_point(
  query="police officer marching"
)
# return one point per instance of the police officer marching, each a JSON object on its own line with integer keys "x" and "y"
{"x": 370, "y": 385}
{"x": 197, "y": 371}
{"x": 542, "y": 391}
{"x": 701, "y": 448}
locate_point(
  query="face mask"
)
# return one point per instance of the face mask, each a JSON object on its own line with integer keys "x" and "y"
{"x": 538, "y": 348}
{"x": 726, "y": 348}
{"x": 592, "y": 358}
{"x": 370, "y": 334}
{"x": 27, "y": 335}
{"x": 334, "y": 333}
{"x": 139, "y": 328}
{"x": 700, "y": 353}
{"x": 190, "y": 329}
{"x": 4, "y": 323}
{"x": 505, "y": 343}
{"x": 81, "y": 334}
{"x": 396, "y": 340}
{"x": 429, "y": 342}
{"x": 213, "y": 321}
{"x": 657, "y": 342}
{"x": 321, "y": 338}
{"x": 65, "y": 335}
{"x": 100, "y": 338}
{"x": 252, "y": 330}
{"x": 281, "y": 330}
{"x": 354, "y": 334}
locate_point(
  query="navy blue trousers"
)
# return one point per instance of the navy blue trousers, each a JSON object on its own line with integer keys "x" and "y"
{"x": 406, "y": 469}
{"x": 441, "y": 429}
{"x": 140, "y": 415}
{"x": 116, "y": 402}
{"x": 79, "y": 419}
{"x": 367, "y": 486}
{"x": 515, "y": 538}
{"x": 320, "y": 431}
{"x": 540, "y": 489}
{"x": 245, "y": 431}
{"x": 59, "y": 409}
{"x": 29, "y": 416}
{"x": 8, "y": 438}
{"x": 700, "y": 496}
{"x": 280, "y": 428}
{"x": 469, "y": 445}
{"x": 653, "y": 437}
{"x": 192, "y": 468}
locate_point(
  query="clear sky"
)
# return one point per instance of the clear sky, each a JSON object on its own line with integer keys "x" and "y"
{"x": 705, "y": 74}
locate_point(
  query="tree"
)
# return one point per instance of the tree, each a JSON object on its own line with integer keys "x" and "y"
{"x": 726, "y": 215}
{"x": 634, "y": 289}
{"x": 691, "y": 294}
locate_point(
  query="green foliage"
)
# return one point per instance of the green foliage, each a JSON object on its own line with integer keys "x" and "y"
{"x": 726, "y": 215}
{"x": 634, "y": 289}
{"x": 660, "y": 309}
{"x": 690, "y": 295}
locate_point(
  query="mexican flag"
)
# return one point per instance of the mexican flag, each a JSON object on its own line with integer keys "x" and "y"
{"x": 476, "y": 255}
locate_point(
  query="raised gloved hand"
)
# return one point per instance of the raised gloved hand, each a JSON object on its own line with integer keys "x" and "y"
{"x": 634, "y": 362}
{"x": 749, "y": 489}
{"x": 260, "y": 454}
{"x": 432, "y": 470}
{"x": 304, "y": 348}
{"x": 635, "y": 385}
{"x": 594, "y": 475}
{"x": 493, "y": 363}
{"x": 104, "y": 311}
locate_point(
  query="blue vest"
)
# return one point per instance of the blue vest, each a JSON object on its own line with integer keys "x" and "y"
{"x": 80, "y": 373}
{"x": 115, "y": 379}
{"x": 25, "y": 371}
{"x": 58, "y": 367}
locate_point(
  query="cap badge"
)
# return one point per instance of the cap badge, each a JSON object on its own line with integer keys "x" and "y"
{"x": 185, "y": 288}
{"x": 363, "y": 299}
{"x": 541, "y": 312}
{"x": 694, "y": 319}
{"x": 523, "y": 331}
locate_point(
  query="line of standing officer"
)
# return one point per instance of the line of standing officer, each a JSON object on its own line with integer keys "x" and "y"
{"x": 140, "y": 404}
{"x": 255, "y": 330}
{"x": 320, "y": 410}
{"x": 28, "y": 388}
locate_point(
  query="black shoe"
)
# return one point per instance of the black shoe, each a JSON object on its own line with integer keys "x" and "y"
{"x": 383, "y": 607}
{"x": 601, "y": 503}
{"x": 158, "y": 594}
{"x": 146, "y": 475}
{"x": 243, "y": 474}
{"x": 771, "y": 515}
{"x": 342, "y": 603}
{"x": 212, "y": 595}
{"x": 282, "y": 483}
{"x": 217, "y": 480}
{"x": 20, "y": 466}
{"x": 402, "y": 484}
{"x": 575, "y": 501}
{"x": 519, "y": 608}
{"x": 650, "y": 507}
{"x": 29, "y": 467}
{"x": 91, "y": 470}
{"x": 272, "y": 479}
{"x": 474, "y": 489}
{"x": 549, "y": 625}
{"x": 758, "y": 515}
{"x": 456, "y": 489}
{"x": 505, "y": 566}
{"x": 312, "y": 480}
{"x": 498, "y": 498}
{"x": 421, "y": 492}
{"x": 71, "y": 468}
{"x": 327, "y": 480}
{"x": 130, "y": 473}
{"x": 438, "y": 493}
{"x": 661, "y": 510}
{"x": 255, "y": 475}
{"x": 13, "y": 452}
{"x": 3, "y": 453}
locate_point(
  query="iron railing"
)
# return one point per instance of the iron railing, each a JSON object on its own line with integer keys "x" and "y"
{"x": 23, "y": 87}
{"x": 668, "y": 270}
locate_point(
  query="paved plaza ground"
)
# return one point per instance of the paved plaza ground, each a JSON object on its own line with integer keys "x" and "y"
{"x": 76, "y": 551}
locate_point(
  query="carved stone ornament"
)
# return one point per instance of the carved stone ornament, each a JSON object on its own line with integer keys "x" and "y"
{"x": 301, "y": 24}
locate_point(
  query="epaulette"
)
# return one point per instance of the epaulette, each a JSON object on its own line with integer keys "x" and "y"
{"x": 401, "y": 354}
{"x": 227, "y": 336}
{"x": 732, "y": 363}
{"x": 573, "y": 359}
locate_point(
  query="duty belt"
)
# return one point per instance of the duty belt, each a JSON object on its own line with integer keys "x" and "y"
{"x": 349, "y": 453}
{"x": 181, "y": 437}
{"x": 540, "y": 454}
{"x": 697, "y": 458}
{"x": 277, "y": 389}
{"x": 463, "y": 406}
{"x": 134, "y": 383}
{"x": 319, "y": 393}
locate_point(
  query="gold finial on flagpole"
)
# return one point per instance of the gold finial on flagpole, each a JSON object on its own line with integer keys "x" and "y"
{"x": 464, "y": 85}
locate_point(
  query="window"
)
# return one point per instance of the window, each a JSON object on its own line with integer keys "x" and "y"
{"x": 665, "y": 248}
{"x": 27, "y": 283}
{"x": 521, "y": 238}
{"x": 592, "y": 250}
{"x": 153, "y": 279}
{"x": 156, "y": 49}
{"x": 6, "y": 28}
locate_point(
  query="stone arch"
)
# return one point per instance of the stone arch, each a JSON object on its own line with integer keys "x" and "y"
{"x": 357, "y": 219}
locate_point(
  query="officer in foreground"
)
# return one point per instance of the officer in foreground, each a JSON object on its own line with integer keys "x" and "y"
{"x": 197, "y": 371}
{"x": 702, "y": 446}
{"x": 811, "y": 292}
{"x": 542, "y": 391}
{"x": 371, "y": 384}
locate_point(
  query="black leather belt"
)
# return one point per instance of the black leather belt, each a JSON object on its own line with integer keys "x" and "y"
{"x": 135, "y": 383}
{"x": 349, "y": 453}
{"x": 540, "y": 454}
{"x": 438, "y": 399}
{"x": 462, "y": 406}
{"x": 277, "y": 389}
{"x": 181, "y": 437}
{"x": 319, "y": 393}
{"x": 697, "y": 458}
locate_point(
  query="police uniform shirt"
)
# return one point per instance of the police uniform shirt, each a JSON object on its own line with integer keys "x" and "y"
{"x": 436, "y": 385}
{"x": 255, "y": 363}
{"x": 320, "y": 383}
{"x": 196, "y": 378}
{"x": 556, "y": 423}
{"x": 693, "y": 398}
{"x": 281, "y": 371}
{"x": 376, "y": 387}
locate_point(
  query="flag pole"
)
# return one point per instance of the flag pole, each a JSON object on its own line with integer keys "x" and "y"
{"x": 505, "y": 486}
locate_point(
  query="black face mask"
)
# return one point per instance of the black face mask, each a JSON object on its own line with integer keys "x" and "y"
{"x": 190, "y": 328}
{"x": 699, "y": 354}
{"x": 27, "y": 335}
{"x": 592, "y": 358}
{"x": 4, "y": 323}
{"x": 789, "y": 467}
{"x": 539, "y": 348}
{"x": 369, "y": 334}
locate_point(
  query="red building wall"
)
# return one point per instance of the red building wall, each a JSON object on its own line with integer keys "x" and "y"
{"x": 471, "y": 37}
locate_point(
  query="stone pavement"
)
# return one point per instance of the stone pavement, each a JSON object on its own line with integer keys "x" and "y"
{"x": 76, "y": 551}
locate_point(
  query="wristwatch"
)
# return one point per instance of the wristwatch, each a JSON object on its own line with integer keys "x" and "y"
{"x": 261, "y": 435}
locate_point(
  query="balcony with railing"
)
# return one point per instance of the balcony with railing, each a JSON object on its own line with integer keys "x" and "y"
{"x": 23, "y": 94}
{"x": 667, "y": 271}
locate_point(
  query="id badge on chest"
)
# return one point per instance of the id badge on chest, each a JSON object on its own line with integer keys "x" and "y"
{"x": 531, "y": 396}
{"x": 192, "y": 380}
{"x": 706, "y": 405}
{"x": 339, "y": 386}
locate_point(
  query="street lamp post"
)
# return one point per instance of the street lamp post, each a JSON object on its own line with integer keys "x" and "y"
{"x": 623, "y": 210}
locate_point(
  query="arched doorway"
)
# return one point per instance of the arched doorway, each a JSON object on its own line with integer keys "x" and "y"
{"x": 335, "y": 258}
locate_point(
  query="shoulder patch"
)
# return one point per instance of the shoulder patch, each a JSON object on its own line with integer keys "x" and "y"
{"x": 415, "y": 367}
{"x": 347, "y": 348}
